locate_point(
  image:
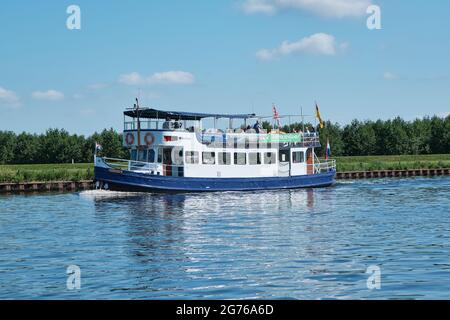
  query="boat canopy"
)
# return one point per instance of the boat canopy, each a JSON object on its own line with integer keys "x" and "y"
{"x": 150, "y": 113}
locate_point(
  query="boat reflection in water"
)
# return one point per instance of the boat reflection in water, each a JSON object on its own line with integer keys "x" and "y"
{"x": 206, "y": 245}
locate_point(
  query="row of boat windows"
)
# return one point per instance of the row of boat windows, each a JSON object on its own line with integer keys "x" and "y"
{"x": 221, "y": 158}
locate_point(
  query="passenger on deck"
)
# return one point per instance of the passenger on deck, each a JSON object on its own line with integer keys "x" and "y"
{"x": 257, "y": 126}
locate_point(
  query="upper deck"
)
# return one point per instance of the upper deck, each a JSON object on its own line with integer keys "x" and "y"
{"x": 173, "y": 122}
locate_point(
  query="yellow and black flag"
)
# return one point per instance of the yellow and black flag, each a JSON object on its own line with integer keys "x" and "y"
{"x": 321, "y": 123}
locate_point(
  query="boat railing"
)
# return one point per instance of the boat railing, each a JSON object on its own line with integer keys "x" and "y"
{"x": 250, "y": 140}
{"x": 324, "y": 166}
{"x": 140, "y": 166}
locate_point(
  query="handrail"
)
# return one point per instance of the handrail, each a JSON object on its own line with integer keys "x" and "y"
{"x": 134, "y": 165}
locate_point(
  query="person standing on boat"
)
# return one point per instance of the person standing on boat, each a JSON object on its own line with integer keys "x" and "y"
{"x": 257, "y": 126}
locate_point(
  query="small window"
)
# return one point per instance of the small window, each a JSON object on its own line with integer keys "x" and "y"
{"x": 298, "y": 157}
{"x": 151, "y": 155}
{"x": 142, "y": 156}
{"x": 133, "y": 154}
{"x": 160, "y": 155}
{"x": 209, "y": 157}
{"x": 191, "y": 157}
{"x": 224, "y": 158}
{"x": 269, "y": 158}
{"x": 254, "y": 158}
{"x": 239, "y": 158}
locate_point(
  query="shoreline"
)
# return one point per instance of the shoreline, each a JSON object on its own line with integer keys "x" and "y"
{"x": 62, "y": 186}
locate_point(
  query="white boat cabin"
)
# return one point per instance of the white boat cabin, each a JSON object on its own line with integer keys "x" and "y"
{"x": 175, "y": 144}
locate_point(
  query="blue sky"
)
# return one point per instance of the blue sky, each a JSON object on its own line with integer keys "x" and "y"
{"x": 220, "y": 56}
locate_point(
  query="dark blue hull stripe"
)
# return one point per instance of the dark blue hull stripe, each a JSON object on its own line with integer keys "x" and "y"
{"x": 127, "y": 180}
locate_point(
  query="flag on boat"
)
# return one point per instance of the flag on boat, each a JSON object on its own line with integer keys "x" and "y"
{"x": 276, "y": 115}
{"x": 319, "y": 117}
{"x": 98, "y": 146}
{"x": 328, "y": 152}
{"x": 275, "y": 112}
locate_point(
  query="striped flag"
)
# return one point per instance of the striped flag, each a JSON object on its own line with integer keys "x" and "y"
{"x": 276, "y": 115}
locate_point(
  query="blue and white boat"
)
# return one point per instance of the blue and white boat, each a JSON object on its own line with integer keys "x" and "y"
{"x": 171, "y": 152}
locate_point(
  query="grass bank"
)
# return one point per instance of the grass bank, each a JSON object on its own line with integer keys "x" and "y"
{"x": 46, "y": 172}
{"x": 372, "y": 163}
{"x": 85, "y": 171}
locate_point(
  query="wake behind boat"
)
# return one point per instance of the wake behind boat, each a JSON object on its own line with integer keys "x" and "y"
{"x": 170, "y": 151}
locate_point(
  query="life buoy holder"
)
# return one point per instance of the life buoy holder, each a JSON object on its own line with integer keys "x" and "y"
{"x": 149, "y": 139}
{"x": 129, "y": 139}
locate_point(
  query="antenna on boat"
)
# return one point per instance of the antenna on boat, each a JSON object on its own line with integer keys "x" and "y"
{"x": 303, "y": 119}
{"x": 136, "y": 106}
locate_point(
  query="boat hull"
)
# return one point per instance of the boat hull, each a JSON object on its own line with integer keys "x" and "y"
{"x": 123, "y": 180}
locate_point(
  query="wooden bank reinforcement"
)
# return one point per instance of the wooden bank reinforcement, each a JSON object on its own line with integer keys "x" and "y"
{"x": 63, "y": 186}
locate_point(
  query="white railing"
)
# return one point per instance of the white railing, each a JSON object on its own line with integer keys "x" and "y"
{"x": 325, "y": 166}
{"x": 140, "y": 166}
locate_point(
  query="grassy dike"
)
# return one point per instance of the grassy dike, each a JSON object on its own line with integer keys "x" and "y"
{"x": 85, "y": 171}
{"x": 46, "y": 172}
{"x": 406, "y": 162}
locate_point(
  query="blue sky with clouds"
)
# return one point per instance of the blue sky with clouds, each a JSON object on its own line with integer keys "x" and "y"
{"x": 220, "y": 56}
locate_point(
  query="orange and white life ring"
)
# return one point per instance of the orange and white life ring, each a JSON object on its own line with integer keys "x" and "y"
{"x": 129, "y": 139}
{"x": 149, "y": 139}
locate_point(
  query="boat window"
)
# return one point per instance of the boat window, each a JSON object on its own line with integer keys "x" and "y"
{"x": 247, "y": 143}
{"x": 209, "y": 157}
{"x": 151, "y": 155}
{"x": 284, "y": 155}
{"x": 142, "y": 156}
{"x": 254, "y": 158}
{"x": 191, "y": 157}
{"x": 224, "y": 158}
{"x": 269, "y": 157}
{"x": 133, "y": 154}
{"x": 160, "y": 155}
{"x": 298, "y": 157}
{"x": 239, "y": 158}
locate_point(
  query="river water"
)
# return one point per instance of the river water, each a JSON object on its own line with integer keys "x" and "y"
{"x": 288, "y": 244}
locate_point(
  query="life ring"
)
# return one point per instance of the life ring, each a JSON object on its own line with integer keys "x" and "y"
{"x": 149, "y": 139}
{"x": 129, "y": 139}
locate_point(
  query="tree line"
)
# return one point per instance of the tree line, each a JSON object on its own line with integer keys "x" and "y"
{"x": 359, "y": 138}
{"x": 429, "y": 135}
{"x": 58, "y": 146}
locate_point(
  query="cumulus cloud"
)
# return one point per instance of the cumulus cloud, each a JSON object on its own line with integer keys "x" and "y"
{"x": 98, "y": 86}
{"x": 389, "y": 76}
{"x": 131, "y": 79}
{"x": 259, "y": 6}
{"x": 50, "y": 95}
{"x": 326, "y": 8}
{"x": 168, "y": 77}
{"x": 9, "y": 98}
{"x": 319, "y": 43}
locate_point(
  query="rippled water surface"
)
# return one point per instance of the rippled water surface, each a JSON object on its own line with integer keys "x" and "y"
{"x": 301, "y": 244}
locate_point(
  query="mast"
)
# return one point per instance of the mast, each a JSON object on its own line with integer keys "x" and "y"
{"x": 138, "y": 123}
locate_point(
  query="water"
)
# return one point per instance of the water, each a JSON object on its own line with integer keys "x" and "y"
{"x": 300, "y": 244}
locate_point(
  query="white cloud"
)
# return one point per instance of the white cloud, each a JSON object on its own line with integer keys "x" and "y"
{"x": 9, "y": 98}
{"x": 259, "y": 6}
{"x": 175, "y": 77}
{"x": 390, "y": 76}
{"x": 168, "y": 77}
{"x": 325, "y": 8}
{"x": 98, "y": 86}
{"x": 319, "y": 43}
{"x": 444, "y": 114}
{"x": 131, "y": 79}
{"x": 51, "y": 95}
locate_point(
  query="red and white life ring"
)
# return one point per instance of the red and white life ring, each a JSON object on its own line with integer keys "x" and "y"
{"x": 149, "y": 139}
{"x": 129, "y": 138}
